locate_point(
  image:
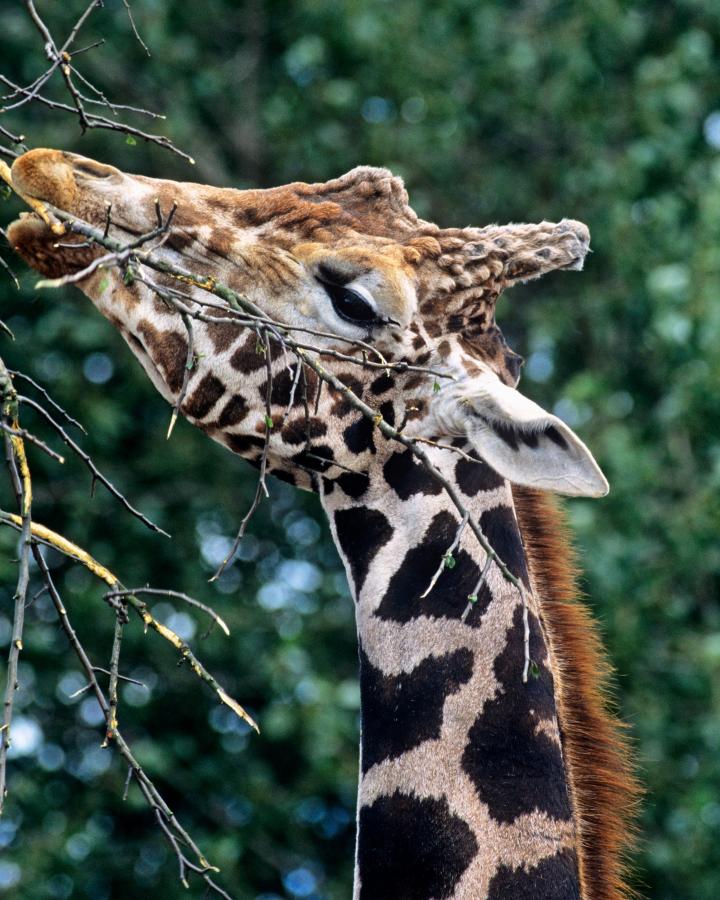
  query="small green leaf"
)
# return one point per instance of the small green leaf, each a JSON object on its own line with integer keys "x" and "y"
{"x": 128, "y": 278}
{"x": 130, "y": 140}
{"x": 534, "y": 669}
{"x": 105, "y": 284}
{"x": 472, "y": 598}
{"x": 449, "y": 561}
{"x": 436, "y": 387}
{"x": 268, "y": 421}
{"x": 260, "y": 348}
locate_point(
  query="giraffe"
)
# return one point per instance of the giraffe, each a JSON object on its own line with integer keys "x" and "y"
{"x": 473, "y": 783}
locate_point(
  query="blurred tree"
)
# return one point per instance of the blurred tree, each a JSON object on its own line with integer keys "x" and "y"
{"x": 608, "y": 112}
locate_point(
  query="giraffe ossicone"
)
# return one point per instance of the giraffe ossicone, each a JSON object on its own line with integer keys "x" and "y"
{"x": 472, "y": 784}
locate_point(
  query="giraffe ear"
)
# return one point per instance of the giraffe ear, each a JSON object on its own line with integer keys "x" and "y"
{"x": 526, "y": 444}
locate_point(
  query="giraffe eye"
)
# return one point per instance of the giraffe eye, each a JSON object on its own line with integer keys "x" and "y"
{"x": 351, "y": 305}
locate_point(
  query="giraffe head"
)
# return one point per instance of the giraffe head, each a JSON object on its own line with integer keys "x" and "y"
{"x": 348, "y": 259}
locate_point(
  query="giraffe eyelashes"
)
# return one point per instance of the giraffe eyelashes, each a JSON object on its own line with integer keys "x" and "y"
{"x": 352, "y": 305}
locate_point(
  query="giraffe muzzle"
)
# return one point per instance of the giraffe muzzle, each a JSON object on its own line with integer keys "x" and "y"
{"x": 72, "y": 184}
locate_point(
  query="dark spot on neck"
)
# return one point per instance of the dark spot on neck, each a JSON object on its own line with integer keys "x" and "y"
{"x": 361, "y": 532}
{"x": 316, "y": 458}
{"x": 516, "y": 767}
{"x": 387, "y": 411}
{"x": 399, "y": 712}
{"x": 382, "y": 385}
{"x": 359, "y": 436}
{"x": 500, "y": 527}
{"x": 475, "y": 477}
{"x": 251, "y": 354}
{"x": 168, "y": 350}
{"x": 449, "y": 597}
{"x": 233, "y": 412}
{"x": 354, "y": 484}
{"x": 553, "y": 878}
{"x": 282, "y": 387}
{"x": 245, "y": 445}
{"x": 407, "y": 477}
{"x": 412, "y": 848}
{"x": 301, "y": 430}
{"x": 341, "y": 405}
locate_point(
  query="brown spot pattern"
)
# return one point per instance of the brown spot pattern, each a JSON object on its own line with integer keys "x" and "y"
{"x": 204, "y": 397}
{"x": 168, "y": 350}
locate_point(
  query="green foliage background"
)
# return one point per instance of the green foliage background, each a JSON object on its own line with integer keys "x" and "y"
{"x": 608, "y": 112}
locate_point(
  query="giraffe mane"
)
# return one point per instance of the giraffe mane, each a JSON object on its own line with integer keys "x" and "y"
{"x": 603, "y": 784}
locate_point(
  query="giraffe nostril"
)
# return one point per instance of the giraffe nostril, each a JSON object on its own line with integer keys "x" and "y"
{"x": 93, "y": 169}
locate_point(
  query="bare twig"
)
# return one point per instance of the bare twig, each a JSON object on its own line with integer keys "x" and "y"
{"x": 38, "y": 387}
{"x": 134, "y": 27}
{"x": 148, "y": 789}
{"x": 176, "y": 595}
{"x": 22, "y": 486}
{"x": 293, "y": 389}
{"x": 68, "y": 548}
{"x": 60, "y": 57}
{"x": 7, "y": 268}
{"x": 430, "y": 443}
{"x": 112, "y": 720}
{"x": 51, "y": 51}
{"x": 448, "y": 560}
{"x": 87, "y": 460}
{"x": 27, "y": 436}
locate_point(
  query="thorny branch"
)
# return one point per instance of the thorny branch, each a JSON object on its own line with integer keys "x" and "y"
{"x": 45, "y": 535}
{"x": 175, "y": 595}
{"x": 22, "y": 485}
{"x": 32, "y": 536}
{"x": 169, "y": 824}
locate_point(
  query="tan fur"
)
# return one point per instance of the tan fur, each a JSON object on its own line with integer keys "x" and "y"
{"x": 605, "y": 790}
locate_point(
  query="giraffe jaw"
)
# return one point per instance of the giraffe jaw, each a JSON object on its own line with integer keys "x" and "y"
{"x": 45, "y": 251}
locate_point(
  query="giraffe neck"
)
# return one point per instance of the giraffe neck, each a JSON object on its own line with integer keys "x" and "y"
{"x": 463, "y": 788}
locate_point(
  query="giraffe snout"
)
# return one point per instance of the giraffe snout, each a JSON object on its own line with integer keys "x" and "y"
{"x": 46, "y": 175}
